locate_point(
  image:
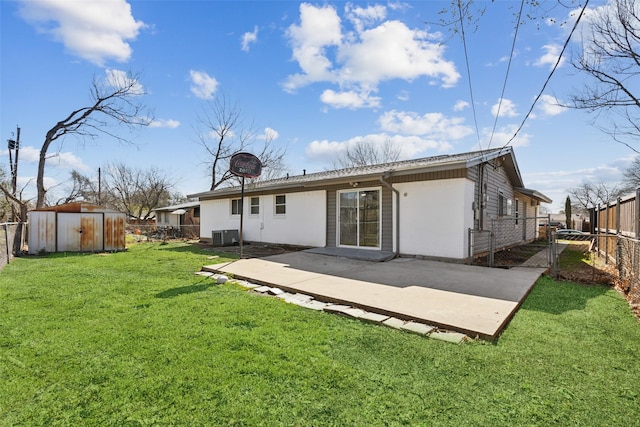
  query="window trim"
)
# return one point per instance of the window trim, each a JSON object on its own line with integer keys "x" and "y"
{"x": 276, "y": 204}
{"x": 256, "y": 206}
{"x": 237, "y": 206}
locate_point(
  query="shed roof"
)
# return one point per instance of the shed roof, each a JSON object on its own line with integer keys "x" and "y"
{"x": 76, "y": 207}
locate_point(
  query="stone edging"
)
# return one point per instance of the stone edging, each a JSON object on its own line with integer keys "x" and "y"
{"x": 309, "y": 302}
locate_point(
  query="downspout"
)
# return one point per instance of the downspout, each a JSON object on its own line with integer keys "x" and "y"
{"x": 383, "y": 179}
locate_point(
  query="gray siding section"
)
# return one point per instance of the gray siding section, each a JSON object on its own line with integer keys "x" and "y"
{"x": 387, "y": 213}
{"x": 387, "y": 219}
{"x": 331, "y": 217}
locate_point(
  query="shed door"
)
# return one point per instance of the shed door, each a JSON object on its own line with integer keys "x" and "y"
{"x": 80, "y": 232}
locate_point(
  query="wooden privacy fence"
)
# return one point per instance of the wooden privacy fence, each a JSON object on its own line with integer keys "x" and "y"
{"x": 617, "y": 229}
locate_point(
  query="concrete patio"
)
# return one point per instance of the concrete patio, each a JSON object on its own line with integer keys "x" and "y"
{"x": 476, "y": 301}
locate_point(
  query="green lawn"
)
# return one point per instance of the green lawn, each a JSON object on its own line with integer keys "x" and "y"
{"x": 135, "y": 338}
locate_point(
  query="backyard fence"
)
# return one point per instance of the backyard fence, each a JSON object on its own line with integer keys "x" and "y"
{"x": 616, "y": 226}
{"x": 511, "y": 241}
{"x": 141, "y": 232}
{"x": 12, "y": 241}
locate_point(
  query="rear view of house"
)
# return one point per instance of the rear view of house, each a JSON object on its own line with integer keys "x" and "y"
{"x": 424, "y": 207}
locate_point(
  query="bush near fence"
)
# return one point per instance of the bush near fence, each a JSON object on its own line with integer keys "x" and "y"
{"x": 141, "y": 232}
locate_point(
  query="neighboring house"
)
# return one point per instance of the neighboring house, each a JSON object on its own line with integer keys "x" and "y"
{"x": 424, "y": 207}
{"x": 183, "y": 219}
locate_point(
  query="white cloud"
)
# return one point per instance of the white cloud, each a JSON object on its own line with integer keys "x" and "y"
{"x": 403, "y": 95}
{"x": 67, "y": 160}
{"x": 556, "y": 184}
{"x": 365, "y": 16}
{"x": 203, "y": 85}
{"x": 119, "y": 79}
{"x": 550, "y": 105}
{"x": 502, "y": 136}
{"x": 269, "y": 134}
{"x": 349, "y": 99}
{"x": 460, "y": 105}
{"x": 506, "y": 108}
{"x": 63, "y": 160}
{"x": 164, "y": 123}
{"x": 358, "y": 60}
{"x": 432, "y": 125}
{"x": 94, "y": 30}
{"x": 550, "y": 57}
{"x": 248, "y": 38}
{"x": 326, "y": 152}
{"x": 319, "y": 28}
{"x": 29, "y": 154}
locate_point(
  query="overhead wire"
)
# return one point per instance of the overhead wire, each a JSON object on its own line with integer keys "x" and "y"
{"x": 556, "y": 65}
{"x": 466, "y": 57}
{"x": 506, "y": 76}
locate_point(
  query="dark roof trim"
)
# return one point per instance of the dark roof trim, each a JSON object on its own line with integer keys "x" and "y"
{"x": 533, "y": 194}
{"x": 500, "y": 156}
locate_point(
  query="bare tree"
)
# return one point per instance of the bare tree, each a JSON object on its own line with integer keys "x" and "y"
{"x": 136, "y": 191}
{"x": 112, "y": 102}
{"x": 365, "y": 153}
{"x": 83, "y": 188}
{"x": 631, "y": 175}
{"x": 223, "y": 132}
{"x": 611, "y": 57}
{"x": 589, "y": 195}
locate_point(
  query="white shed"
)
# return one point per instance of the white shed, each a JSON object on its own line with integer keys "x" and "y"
{"x": 76, "y": 227}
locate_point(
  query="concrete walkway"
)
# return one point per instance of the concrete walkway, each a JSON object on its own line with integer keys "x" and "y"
{"x": 476, "y": 301}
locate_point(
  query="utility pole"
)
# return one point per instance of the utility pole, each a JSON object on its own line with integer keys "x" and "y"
{"x": 14, "y": 147}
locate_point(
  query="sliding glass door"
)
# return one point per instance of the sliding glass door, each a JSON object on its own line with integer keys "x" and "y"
{"x": 359, "y": 218}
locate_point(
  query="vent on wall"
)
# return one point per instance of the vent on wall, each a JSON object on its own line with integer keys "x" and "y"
{"x": 225, "y": 237}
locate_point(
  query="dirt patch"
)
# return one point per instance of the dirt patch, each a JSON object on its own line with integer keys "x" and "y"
{"x": 254, "y": 250}
{"x": 512, "y": 257}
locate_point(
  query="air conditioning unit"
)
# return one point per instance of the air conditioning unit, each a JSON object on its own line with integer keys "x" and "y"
{"x": 225, "y": 237}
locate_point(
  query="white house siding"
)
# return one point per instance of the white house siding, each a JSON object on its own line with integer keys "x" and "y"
{"x": 435, "y": 217}
{"x": 303, "y": 224}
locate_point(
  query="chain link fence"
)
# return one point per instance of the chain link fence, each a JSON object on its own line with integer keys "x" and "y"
{"x": 139, "y": 232}
{"x": 628, "y": 263}
{"x": 514, "y": 241}
{"x": 12, "y": 241}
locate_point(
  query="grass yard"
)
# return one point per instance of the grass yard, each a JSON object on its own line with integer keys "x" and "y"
{"x": 136, "y": 339}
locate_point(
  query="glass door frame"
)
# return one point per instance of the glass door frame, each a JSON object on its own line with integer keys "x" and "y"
{"x": 359, "y": 190}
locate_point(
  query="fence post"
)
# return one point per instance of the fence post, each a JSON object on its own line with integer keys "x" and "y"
{"x": 606, "y": 234}
{"x": 6, "y": 238}
{"x": 470, "y": 246}
{"x": 491, "y": 243}
{"x": 618, "y": 201}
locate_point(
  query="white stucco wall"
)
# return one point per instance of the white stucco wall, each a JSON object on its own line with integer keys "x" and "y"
{"x": 435, "y": 217}
{"x": 303, "y": 224}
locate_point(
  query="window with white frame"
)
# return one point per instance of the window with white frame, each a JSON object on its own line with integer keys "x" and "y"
{"x": 281, "y": 204}
{"x": 255, "y": 205}
{"x": 504, "y": 205}
{"x": 236, "y": 206}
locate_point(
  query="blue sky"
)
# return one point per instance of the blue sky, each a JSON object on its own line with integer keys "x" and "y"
{"x": 314, "y": 76}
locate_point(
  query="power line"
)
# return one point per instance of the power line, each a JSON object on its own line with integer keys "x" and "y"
{"x": 506, "y": 76}
{"x": 466, "y": 57}
{"x": 544, "y": 86}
